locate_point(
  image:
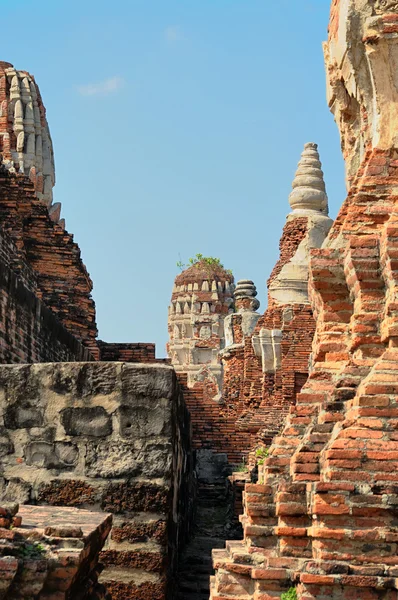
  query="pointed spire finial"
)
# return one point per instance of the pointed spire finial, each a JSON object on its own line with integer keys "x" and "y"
{"x": 309, "y": 191}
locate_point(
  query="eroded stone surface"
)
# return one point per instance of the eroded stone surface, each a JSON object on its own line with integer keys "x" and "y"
{"x": 111, "y": 437}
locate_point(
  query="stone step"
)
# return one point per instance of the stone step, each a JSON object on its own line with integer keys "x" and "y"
{"x": 232, "y": 545}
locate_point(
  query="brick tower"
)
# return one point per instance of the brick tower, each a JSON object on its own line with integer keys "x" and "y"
{"x": 202, "y": 298}
{"x": 266, "y": 356}
{"x": 323, "y": 517}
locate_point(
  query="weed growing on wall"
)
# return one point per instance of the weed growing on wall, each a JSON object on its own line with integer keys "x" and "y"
{"x": 261, "y": 455}
{"x": 242, "y": 468}
{"x": 30, "y": 551}
{"x": 291, "y": 594}
{"x": 208, "y": 261}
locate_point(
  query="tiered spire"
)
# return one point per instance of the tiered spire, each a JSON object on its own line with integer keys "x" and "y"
{"x": 307, "y": 227}
{"x": 309, "y": 191}
{"x": 245, "y": 296}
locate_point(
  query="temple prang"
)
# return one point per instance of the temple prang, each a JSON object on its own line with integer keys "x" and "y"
{"x": 321, "y": 517}
{"x": 126, "y": 477}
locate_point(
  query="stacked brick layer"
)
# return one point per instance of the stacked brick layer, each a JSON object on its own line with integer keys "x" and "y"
{"x": 52, "y": 258}
{"x": 133, "y": 353}
{"x": 29, "y": 331}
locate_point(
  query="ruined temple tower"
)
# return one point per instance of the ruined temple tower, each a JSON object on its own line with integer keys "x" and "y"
{"x": 202, "y": 298}
{"x": 306, "y": 227}
{"x": 266, "y": 356}
{"x": 25, "y": 140}
{"x": 323, "y": 517}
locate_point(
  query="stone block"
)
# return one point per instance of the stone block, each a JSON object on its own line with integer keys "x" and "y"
{"x": 141, "y": 421}
{"x": 89, "y": 421}
{"x": 23, "y": 417}
{"x": 59, "y": 455}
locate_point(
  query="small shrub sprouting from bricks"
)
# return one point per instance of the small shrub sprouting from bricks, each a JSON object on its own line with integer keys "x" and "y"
{"x": 209, "y": 261}
{"x": 291, "y": 594}
{"x": 261, "y": 455}
{"x": 242, "y": 468}
{"x": 30, "y": 551}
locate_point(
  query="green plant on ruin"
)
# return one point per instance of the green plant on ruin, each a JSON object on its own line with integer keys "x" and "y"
{"x": 242, "y": 468}
{"x": 30, "y": 551}
{"x": 209, "y": 261}
{"x": 261, "y": 455}
{"x": 291, "y": 594}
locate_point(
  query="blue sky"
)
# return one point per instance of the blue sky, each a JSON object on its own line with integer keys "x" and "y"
{"x": 177, "y": 127}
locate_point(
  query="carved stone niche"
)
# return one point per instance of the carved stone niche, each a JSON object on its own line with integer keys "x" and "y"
{"x": 267, "y": 346}
{"x": 382, "y": 6}
{"x": 205, "y": 332}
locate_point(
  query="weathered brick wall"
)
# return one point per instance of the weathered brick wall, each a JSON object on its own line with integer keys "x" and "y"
{"x": 133, "y": 353}
{"x": 111, "y": 437}
{"x": 293, "y": 233}
{"x": 256, "y": 403}
{"x": 213, "y": 425}
{"x": 29, "y": 331}
{"x": 50, "y": 253}
{"x": 12, "y": 258}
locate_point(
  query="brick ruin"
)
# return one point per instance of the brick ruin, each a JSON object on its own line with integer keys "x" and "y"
{"x": 241, "y": 371}
{"x": 116, "y": 468}
{"x": 322, "y": 517}
{"x": 99, "y": 430}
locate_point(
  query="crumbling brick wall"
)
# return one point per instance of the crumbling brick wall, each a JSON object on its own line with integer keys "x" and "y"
{"x": 257, "y": 403}
{"x": 112, "y": 437}
{"x": 29, "y": 331}
{"x": 129, "y": 352}
{"x": 61, "y": 279}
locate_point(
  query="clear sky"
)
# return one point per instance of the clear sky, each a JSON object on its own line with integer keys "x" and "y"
{"x": 177, "y": 127}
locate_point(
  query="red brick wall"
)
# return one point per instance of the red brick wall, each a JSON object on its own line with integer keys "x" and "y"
{"x": 213, "y": 425}
{"x": 334, "y": 19}
{"x": 293, "y": 233}
{"x": 51, "y": 254}
{"x": 132, "y": 353}
{"x": 29, "y": 331}
{"x": 254, "y": 405}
